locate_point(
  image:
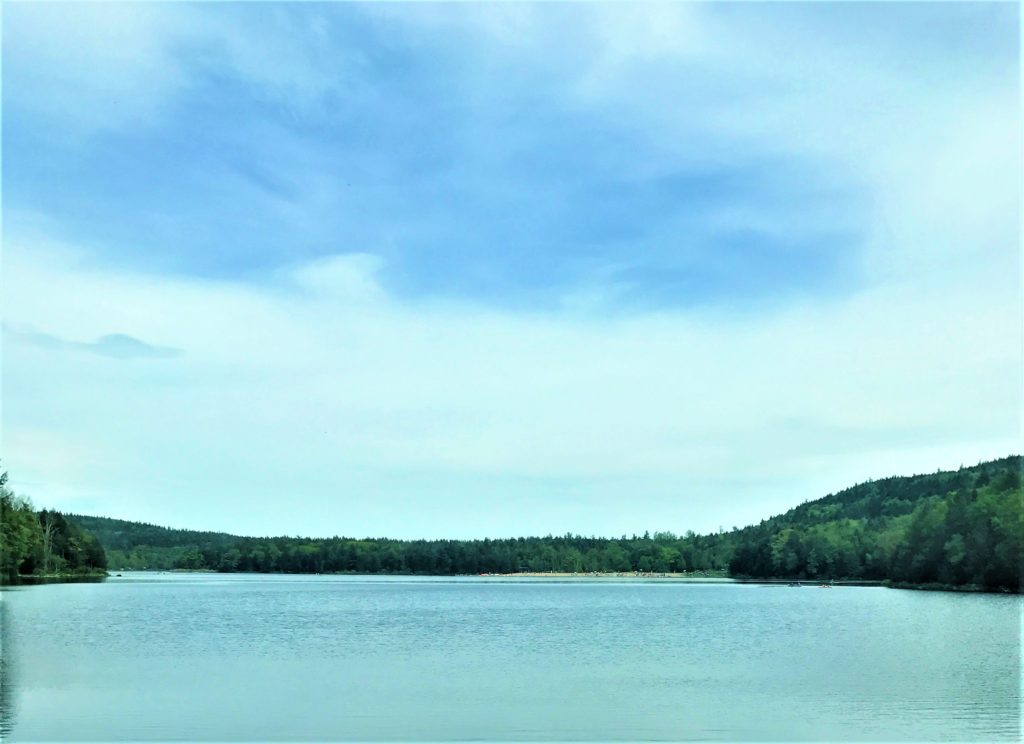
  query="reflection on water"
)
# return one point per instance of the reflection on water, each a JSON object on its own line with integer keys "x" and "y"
{"x": 72, "y": 579}
{"x": 6, "y": 672}
{"x": 208, "y": 657}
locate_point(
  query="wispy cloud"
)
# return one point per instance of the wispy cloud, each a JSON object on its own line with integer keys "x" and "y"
{"x": 113, "y": 345}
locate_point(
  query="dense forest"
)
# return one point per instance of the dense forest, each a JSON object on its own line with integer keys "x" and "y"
{"x": 42, "y": 543}
{"x": 141, "y": 546}
{"x": 963, "y": 527}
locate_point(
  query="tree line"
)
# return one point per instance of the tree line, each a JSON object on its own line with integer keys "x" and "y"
{"x": 42, "y": 543}
{"x": 963, "y": 527}
{"x": 956, "y": 527}
{"x": 659, "y": 553}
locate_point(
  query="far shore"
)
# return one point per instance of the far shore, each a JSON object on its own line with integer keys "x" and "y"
{"x": 56, "y": 578}
{"x": 699, "y": 576}
{"x": 708, "y": 577}
{"x": 694, "y": 576}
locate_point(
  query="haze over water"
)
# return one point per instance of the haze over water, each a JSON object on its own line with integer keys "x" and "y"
{"x": 244, "y": 657}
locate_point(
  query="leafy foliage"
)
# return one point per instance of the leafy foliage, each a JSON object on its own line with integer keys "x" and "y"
{"x": 43, "y": 542}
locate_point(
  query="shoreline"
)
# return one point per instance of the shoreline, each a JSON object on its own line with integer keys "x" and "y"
{"x": 701, "y": 575}
{"x": 697, "y": 577}
{"x": 56, "y": 578}
{"x": 937, "y": 587}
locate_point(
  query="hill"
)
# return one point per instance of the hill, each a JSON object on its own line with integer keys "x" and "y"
{"x": 957, "y": 528}
{"x": 963, "y": 527}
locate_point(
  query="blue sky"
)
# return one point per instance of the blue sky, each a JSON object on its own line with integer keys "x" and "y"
{"x": 469, "y": 270}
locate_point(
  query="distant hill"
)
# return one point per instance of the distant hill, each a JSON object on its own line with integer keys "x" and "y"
{"x": 139, "y": 545}
{"x": 120, "y": 534}
{"x": 957, "y": 528}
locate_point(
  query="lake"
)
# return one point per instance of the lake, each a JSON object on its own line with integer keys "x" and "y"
{"x": 253, "y": 657}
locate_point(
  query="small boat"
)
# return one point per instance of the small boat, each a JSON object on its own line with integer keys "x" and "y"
{"x": 824, "y": 586}
{"x": 794, "y": 583}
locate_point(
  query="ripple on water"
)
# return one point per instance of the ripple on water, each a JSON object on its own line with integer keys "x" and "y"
{"x": 259, "y": 658}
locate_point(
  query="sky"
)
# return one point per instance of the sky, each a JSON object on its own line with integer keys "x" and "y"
{"x": 467, "y": 270}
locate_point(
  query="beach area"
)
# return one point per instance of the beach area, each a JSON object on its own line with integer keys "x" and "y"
{"x": 690, "y": 575}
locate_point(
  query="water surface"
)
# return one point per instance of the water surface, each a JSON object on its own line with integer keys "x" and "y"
{"x": 258, "y": 658}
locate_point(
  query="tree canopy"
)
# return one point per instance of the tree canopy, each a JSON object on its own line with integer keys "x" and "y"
{"x": 44, "y": 542}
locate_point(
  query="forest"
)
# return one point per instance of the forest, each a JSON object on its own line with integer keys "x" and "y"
{"x": 43, "y": 543}
{"x": 958, "y": 528}
{"x": 962, "y": 528}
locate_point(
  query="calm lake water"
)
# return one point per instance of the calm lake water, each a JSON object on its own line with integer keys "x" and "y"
{"x": 258, "y": 658}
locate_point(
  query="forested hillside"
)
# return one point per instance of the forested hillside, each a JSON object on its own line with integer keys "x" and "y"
{"x": 959, "y": 527}
{"x": 136, "y": 545}
{"x": 963, "y": 527}
{"x": 42, "y": 543}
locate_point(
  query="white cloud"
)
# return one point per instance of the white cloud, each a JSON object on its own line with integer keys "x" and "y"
{"x": 332, "y": 399}
{"x": 347, "y": 278}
